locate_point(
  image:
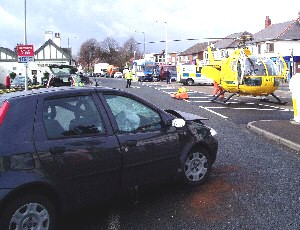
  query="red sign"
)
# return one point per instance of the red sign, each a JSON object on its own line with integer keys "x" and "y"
{"x": 25, "y": 50}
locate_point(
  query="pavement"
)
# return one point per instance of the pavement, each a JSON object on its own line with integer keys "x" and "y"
{"x": 284, "y": 132}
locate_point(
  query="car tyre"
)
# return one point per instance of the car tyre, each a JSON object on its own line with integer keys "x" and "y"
{"x": 29, "y": 212}
{"x": 196, "y": 167}
{"x": 189, "y": 82}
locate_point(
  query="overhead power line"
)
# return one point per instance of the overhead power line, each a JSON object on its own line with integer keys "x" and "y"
{"x": 175, "y": 40}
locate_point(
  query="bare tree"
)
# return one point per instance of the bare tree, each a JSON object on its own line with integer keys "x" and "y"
{"x": 109, "y": 51}
{"x": 129, "y": 51}
{"x": 89, "y": 51}
{"x": 92, "y": 51}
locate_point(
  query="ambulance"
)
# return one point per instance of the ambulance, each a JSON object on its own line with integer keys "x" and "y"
{"x": 191, "y": 75}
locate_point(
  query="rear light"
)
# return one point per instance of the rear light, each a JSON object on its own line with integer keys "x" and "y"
{"x": 3, "y": 111}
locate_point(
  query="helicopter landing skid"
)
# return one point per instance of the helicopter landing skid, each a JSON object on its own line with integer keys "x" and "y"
{"x": 277, "y": 98}
{"x": 223, "y": 101}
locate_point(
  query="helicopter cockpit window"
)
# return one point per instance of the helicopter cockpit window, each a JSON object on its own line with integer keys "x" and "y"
{"x": 254, "y": 66}
{"x": 271, "y": 66}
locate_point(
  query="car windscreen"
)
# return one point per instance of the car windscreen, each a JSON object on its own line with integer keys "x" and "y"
{"x": 19, "y": 79}
{"x": 60, "y": 71}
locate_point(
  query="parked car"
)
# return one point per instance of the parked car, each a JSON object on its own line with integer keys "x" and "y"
{"x": 19, "y": 82}
{"x": 118, "y": 75}
{"x": 78, "y": 145}
{"x": 172, "y": 70}
{"x": 61, "y": 75}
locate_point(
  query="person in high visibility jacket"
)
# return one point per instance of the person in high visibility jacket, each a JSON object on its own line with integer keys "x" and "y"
{"x": 129, "y": 77}
{"x": 181, "y": 94}
{"x": 218, "y": 89}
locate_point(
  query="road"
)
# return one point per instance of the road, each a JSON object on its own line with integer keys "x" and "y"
{"x": 254, "y": 184}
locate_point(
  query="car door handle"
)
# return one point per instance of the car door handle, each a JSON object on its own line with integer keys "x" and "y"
{"x": 131, "y": 143}
{"x": 57, "y": 150}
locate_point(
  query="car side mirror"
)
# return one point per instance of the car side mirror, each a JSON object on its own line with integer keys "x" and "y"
{"x": 178, "y": 123}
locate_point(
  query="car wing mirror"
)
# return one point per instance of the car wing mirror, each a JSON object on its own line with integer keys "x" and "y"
{"x": 178, "y": 122}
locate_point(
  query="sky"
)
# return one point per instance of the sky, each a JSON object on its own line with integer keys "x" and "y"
{"x": 153, "y": 20}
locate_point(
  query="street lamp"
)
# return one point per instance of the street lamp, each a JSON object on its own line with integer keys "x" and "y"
{"x": 69, "y": 41}
{"x": 144, "y": 43}
{"x": 25, "y": 41}
{"x": 166, "y": 49}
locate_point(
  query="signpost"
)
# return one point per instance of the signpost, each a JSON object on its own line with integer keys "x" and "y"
{"x": 25, "y": 55}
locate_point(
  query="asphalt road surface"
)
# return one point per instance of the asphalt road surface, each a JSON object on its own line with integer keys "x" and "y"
{"x": 255, "y": 183}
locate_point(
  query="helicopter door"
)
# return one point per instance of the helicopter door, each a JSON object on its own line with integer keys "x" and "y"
{"x": 241, "y": 67}
{"x": 282, "y": 67}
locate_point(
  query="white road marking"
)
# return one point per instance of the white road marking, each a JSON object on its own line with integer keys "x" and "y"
{"x": 213, "y": 112}
{"x": 197, "y": 97}
{"x": 201, "y": 101}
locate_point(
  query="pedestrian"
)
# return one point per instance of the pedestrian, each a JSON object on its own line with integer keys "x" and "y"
{"x": 168, "y": 76}
{"x": 218, "y": 89}
{"x": 7, "y": 82}
{"x": 34, "y": 79}
{"x": 128, "y": 77}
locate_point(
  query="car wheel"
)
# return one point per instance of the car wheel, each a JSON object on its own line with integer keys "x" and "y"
{"x": 189, "y": 82}
{"x": 196, "y": 167}
{"x": 29, "y": 212}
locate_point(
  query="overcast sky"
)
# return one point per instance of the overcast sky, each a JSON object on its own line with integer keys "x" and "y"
{"x": 80, "y": 20}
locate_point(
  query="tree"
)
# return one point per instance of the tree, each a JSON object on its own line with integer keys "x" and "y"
{"x": 109, "y": 50}
{"x": 89, "y": 51}
{"x": 128, "y": 52}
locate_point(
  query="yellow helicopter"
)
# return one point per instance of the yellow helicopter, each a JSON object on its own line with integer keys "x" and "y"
{"x": 242, "y": 73}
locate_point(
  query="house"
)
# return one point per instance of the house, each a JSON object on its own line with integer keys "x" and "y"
{"x": 283, "y": 38}
{"x": 193, "y": 53}
{"x": 49, "y": 53}
{"x": 227, "y": 45}
{"x": 8, "y": 62}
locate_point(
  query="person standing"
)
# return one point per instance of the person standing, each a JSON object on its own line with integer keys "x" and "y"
{"x": 218, "y": 89}
{"x": 128, "y": 77}
{"x": 168, "y": 76}
{"x": 34, "y": 79}
{"x": 7, "y": 82}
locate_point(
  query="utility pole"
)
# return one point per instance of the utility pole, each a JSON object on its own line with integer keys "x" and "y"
{"x": 25, "y": 41}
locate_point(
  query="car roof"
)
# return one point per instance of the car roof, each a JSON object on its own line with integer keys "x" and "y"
{"x": 52, "y": 90}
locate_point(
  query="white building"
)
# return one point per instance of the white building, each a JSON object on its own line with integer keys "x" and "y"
{"x": 49, "y": 53}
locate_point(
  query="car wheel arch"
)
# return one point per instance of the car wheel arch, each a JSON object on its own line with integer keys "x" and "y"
{"x": 33, "y": 188}
{"x": 189, "y": 81}
{"x": 195, "y": 148}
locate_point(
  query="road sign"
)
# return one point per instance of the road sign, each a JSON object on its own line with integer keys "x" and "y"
{"x": 25, "y": 59}
{"x": 25, "y": 53}
{"x": 25, "y": 50}
{"x": 22, "y": 59}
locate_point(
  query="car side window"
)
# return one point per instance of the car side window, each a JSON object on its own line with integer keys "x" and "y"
{"x": 131, "y": 115}
{"x": 71, "y": 117}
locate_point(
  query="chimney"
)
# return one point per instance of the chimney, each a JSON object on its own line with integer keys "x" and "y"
{"x": 48, "y": 35}
{"x": 267, "y": 22}
{"x": 56, "y": 39}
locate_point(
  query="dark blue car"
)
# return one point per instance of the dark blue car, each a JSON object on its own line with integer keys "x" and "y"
{"x": 65, "y": 147}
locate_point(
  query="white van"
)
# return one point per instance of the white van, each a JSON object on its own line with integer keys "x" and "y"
{"x": 191, "y": 75}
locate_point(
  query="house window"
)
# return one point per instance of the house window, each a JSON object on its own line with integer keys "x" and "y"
{"x": 259, "y": 49}
{"x": 270, "y": 47}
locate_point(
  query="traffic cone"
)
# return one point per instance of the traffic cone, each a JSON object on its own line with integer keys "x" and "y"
{"x": 181, "y": 94}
